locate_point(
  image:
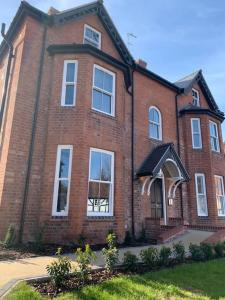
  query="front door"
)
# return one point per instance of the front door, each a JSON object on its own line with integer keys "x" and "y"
{"x": 156, "y": 196}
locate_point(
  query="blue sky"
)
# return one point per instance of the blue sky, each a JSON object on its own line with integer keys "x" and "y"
{"x": 175, "y": 37}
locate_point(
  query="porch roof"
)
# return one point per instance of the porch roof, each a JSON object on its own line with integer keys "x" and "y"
{"x": 157, "y": 157}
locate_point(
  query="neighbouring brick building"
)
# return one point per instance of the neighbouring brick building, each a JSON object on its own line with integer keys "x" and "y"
{"x": 93, "y": 141}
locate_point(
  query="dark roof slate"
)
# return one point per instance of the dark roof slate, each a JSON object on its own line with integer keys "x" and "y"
{"x": 154, "y": 161}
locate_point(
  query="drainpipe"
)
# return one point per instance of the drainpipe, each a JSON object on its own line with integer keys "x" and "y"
{"x": 31, "y": 146}
{"x": 178, "y": 147}
{"x": 7, "y": 76}
{"x": 132, "y": 155}
{"x": 131, "y": 93}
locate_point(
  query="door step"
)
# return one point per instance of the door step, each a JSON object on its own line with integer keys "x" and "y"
{"x": 170, "y": 234}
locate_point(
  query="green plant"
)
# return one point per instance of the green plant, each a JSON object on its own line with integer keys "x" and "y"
{"x": 150, "y": 257}
{"x": 207, "y": 250}
{"x": 196, "y": 252}
{"x": 128, "y": 238}
{"x": 179, "y": 252}
{"x": 219, "y": 249}
{"x": 111, "y": 253}
{"x": 58, "y": 270}
{"x": 38, "y": 245}
{"x": 130, "y": 261}
{"x": 142, "y": 236}
{"x": 81, "y": 240}
{"x": 10, "y": 237}
{"x": 164, "y": 256}
{"x": 84, "y": 259}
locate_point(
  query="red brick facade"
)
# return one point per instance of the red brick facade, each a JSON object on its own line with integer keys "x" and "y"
{"x": 35, "y": 123}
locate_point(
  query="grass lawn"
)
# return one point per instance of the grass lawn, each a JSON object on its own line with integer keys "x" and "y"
{"x": 191, "y": 281}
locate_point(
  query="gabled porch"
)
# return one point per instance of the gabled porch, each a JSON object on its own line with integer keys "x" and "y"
{"x": 160, "y": 176}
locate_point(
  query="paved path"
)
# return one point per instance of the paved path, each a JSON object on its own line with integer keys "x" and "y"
{"x": 11, "y": 271}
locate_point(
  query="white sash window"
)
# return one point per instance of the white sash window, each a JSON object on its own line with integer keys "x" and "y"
{"x": 220, "y": 197}
{"x": 202, "y": 207}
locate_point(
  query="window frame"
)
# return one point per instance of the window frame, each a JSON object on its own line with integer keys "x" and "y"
{"x": 217, "y": 136}
{"x": 193, "y": 133}
{"x": 113, "y": 94}
{"x": 65, "y": 83}
{"x": 217, "y": 195}
{"x": 111, "y": 201}
{"x": 96, "y": 31}
{"x": 193, "y": 98}
{"x": 153, "y": 122}
{"x": 57, "y": 179}
{"x": 197, "y": 194}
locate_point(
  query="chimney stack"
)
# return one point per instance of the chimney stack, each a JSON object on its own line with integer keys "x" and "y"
{"x": 142, "y": 63}
{"x": 52, "y": 11}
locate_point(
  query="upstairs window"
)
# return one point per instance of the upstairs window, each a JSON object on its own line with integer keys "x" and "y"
{"x": 62, "y": 180}
{"x": 196, "y": 133}
{"x": 202, "y": 207}
{"x": 220, "y": 197}
{"x": 92, "y": 37}
{"x": 101, "y": 178}
{"x": 195, "y": 98}
{"x": 214, "y": 138}
{"x": 155, "y": 123}
{"x": 69, "y": 84}
{"x": 103, "y": 97}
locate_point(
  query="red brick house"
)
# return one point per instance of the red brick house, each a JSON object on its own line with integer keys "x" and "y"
{"x": 93, "y": 141}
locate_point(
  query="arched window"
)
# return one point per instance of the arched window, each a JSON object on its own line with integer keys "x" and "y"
{"x": 155, "y": 123}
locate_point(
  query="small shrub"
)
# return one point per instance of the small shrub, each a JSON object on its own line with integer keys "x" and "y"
{"x": 142, "y": 237}
{"x": 84, "y": 259}
{"x": 196, "y": 252}
{"x": 179, "y": 252}
{"x": 130, "y": 261}
{"x": 59, "y": 270}
{"x": 128, "y": 238}
{"x": 164, "y": 256}
{"x": 38, "y": 245}
{"x": 150, "y": 257}
{"x": 207, "y": 250}
{"x": 81, "y": 240}
{"x": 10, "y": 237}
{"x": 111, "y": 253}
{"x": 219, "y": 249}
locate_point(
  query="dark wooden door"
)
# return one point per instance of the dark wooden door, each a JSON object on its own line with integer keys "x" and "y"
{"x": 157, "y": 199}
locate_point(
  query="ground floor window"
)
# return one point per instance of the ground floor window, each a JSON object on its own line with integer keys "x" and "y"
{"x": 62, "y": 180}
{"x": 220, "y": 197}
{"x": 101, "y": 183}
{"x": 202, "y": 207}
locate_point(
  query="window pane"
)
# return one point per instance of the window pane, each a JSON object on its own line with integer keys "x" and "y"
{"x": 88, "y": 33}
{"x": 154, "y": 115}
{"x": 104, "y": 190}
{"x": 94, "y": 191}
{"x": 202, "y": 205}
{"x": 154, "y": 131}
{"x": 106, "y": 103}
{"x": 97, "y": 100}
{"x": 195, "y": 125}
{"x": 70, "y": 74}
{"x": 197, "y": 142}
{"x": 69, "y": 97}
{"x": 200, "y": 185}
{"x": 62, "y": 195}
{"x": 108, "y": 82}
{"x": 64, "y": 163}
{"x": 106, "y": 167}
{"x": 99, "y": 78}
{"x": 95, "y": 165}
{"x": 95, "y": 37}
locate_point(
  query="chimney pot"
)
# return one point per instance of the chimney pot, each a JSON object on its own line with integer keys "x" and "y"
{"x": 53, "y": 11}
